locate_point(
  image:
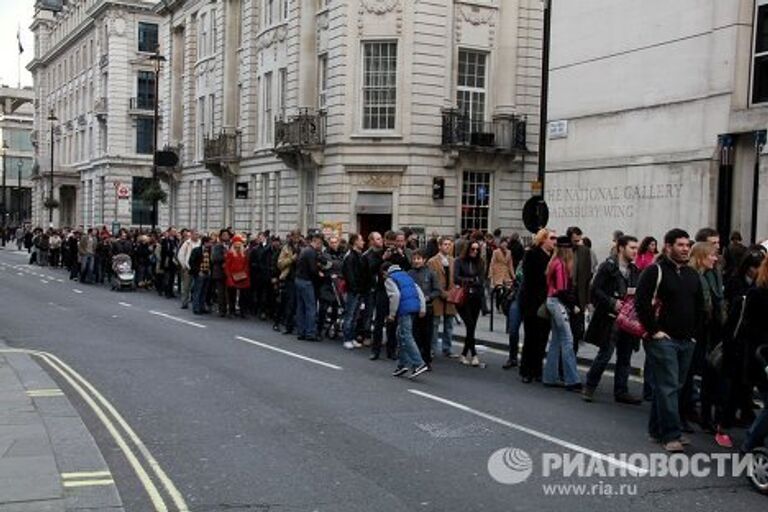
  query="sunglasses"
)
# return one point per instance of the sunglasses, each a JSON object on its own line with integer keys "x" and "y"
{"x": 553, "y": 238}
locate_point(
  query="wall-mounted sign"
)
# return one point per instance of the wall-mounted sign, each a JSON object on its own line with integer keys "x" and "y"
{"x": 241, "y": 190}
{"x": 558, "y": 129}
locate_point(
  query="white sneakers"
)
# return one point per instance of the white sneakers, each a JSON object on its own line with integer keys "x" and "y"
{"x": 351, "y": 345}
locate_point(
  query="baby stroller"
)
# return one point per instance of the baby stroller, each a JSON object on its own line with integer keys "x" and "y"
{"x": 122, "y": 272}
{"x": 332, "y": 302}
{"x": 758, "y": 473}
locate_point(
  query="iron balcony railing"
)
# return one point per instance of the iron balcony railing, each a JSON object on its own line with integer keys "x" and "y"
{"x": 222, "y": 148}
{"x": 304, "y": 130}
{"x": 459, "y": 131}
{"x": 142, "y": 103}
{"x": 100, "y": 105}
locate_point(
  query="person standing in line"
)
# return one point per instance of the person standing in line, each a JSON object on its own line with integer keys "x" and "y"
{"x": 532, "y": 296}
{"x": 405, "y": 302}
{"x": 379, "y": 304}
{"x": 671, "y": 334}
{"x": 733, "y": 254}
{"x": 352, "y": 268}
{"x": 582, "y": 278}
{"x": 55, "y": 246}
{"x": 307, "y": 277}
{"x": 561, "y": 303}
{"x": 184, "y": 253}
{"x": 238, "y": 276}
{"x": 430, "y": 288}
{"x": 470, "y": 274}
{"x": 86, "y": 251}
{"x": 615, "y": 282}
{"x": 443, "y": 311}
{"x": 200, "y": 271}
{"x": 168, "y": 249}
{"x": 647, "y": 253}
{"x": 286, "y": 265}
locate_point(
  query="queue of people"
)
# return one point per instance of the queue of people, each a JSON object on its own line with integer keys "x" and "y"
{"x": 697, "y": 310}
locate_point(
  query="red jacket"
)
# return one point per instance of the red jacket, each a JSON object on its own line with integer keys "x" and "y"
{"x": 237, "y": 263}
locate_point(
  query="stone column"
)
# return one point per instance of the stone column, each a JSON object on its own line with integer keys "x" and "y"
{"x": 505, "y": 83}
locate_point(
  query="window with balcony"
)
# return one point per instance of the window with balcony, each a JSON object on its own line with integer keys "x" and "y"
{"x": 379, "y": 85}
{"x": 475, "y": 200}
{"x": 282, "y": 90}
{"x": 760, "y": 55}
{"x": 145, "y": 90}
{"x": 267, "y": 109}
{"x": 141, "y": 210}
{"x": 144, "y": 135}
{"x": 147, "y": 37}
{"x": 322, "y": 80}
{"x": 470, "y": 90}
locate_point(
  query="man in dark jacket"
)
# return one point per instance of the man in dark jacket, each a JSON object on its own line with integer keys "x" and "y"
{"x": 378, "y": 303}
{"x": 169, "y": 246}
{"x": 582, "y": 277}
{"x": 353, "y": 270}
{"x": 200, "y": 271}
{"x": 616, "y": 279}
{"x": 671, "y": 333}
{"x": 306, "y": 279}
{"x": 218, "y": 278}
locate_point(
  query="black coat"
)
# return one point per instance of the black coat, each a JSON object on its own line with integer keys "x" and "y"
{"x": 353, "y": 270}
{"x": 534, "y": 291}
{"x": 754, "y": 332}
{"x": 608, "y": 287}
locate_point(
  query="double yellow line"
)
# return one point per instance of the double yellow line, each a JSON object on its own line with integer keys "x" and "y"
{"x": 142, "y": 462}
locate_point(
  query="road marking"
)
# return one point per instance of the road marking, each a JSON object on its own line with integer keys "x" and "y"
{"x": 631, "y": 468}
{"x": 86, "y": 483}
{"x": 86, "y": 474}
{"x": 289, "y": 353}
{"x": 124, "y": 304}
{"x": 44, "y": 393}
{"x": 75, "y": 380}
{"x": 86, "y": 479}
{"x": 76, "y": 290}
{"x": 20, "y": 273}
{"x": 177, "y": 319}
{"x": 44, "y": 281}
{"x": 59, "y": 280}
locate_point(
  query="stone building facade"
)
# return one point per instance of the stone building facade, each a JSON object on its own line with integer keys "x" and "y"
{"x": 92, "y": 73}
{"x": 347, "y": 114}
{"x": 16, "y": 119}
{"x": 655, "y": 111}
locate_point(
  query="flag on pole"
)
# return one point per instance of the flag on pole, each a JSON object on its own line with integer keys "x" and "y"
{"x": 18, "y": 38}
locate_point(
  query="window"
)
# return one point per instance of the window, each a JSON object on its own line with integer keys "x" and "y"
{"x": 18, "y": 140}
{"x": 202, "y": 36}
{"x": 12, "y": 163}
{"x": 379, "y": 85}
{"x": 200, "y": 127}
{"x": 760, "y": 59}
{"x": 269, "y": 12}
{"x": 322, "y": 80}
{"x": 286, "y": 9}
{"x": 141, "y": 210}
{"x": 470, "y": 91}
{"x": 267, "y": 108}
{"x": 282, "y": 85}
{"x": 209, "y": 128}
{"x": 145, "y": 90}
{"x": 144, "y": 135}
{"x": 475, "y": 200}
{"x": 147, "y": 37}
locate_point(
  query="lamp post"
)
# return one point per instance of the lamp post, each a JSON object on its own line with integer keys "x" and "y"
{"x": 51, "y": 118}
{"x": 157, "y": 60}
{"x": 18, "y": 168}
{"x": 5, "y": 171}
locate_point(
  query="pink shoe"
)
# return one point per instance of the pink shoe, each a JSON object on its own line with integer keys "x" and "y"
{"x": 723, "y": 440}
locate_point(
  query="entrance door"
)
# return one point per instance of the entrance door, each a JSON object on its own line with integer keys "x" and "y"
{"x": 367, "y": 223}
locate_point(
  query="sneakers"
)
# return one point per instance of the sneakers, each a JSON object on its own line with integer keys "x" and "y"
{"x": 674, "y": 447}
{"x": 356, "y": 344}
{"x": 400, "y": 371}
{"x": 418, "y": 371}
{"x": 475, "y": 361}
{"x": 723, "y": 440}
{"x": 463, "y": 360}
{"x": 588, "y": 394}
{"x": 349, "y": 345}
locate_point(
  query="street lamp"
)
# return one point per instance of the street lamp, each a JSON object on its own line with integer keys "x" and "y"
{"x": 157, "y": 60}
{"x": 51, "y": 118}
{"x": 18, "y": 168}
{"x": 5, "y": 167}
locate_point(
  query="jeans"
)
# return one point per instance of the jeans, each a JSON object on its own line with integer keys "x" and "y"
{"x": 447, "y": 321}
{"x": 669, "y": 361}
{"x": 622, "y": 344}
{"x": 408, "y": 354}
{"x": 561, "y": 344}
{"x": 86, "y": 268}
{"x": 199, "y": 292}
{"x": 306, "y": 308}
{"x": 351, "y": 308}
{"x": 758, "y": 432}
{"x": 514, "y": 320}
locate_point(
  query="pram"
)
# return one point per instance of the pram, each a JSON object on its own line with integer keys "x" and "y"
{"x": 332, "y": 302}
{"x": 758, "y": 473}
{"x": 122, "y": 272}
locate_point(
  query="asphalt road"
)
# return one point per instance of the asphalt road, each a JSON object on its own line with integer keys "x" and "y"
{"x": 242, "y": 418}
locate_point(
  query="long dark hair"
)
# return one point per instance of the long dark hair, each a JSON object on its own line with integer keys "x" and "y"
{"x": 645, "y": 245}
{"x": 477, "y": 260}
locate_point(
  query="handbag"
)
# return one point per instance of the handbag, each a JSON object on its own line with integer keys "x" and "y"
{"x": 457, "y": 296}
{"x": 627, "y": 320}
{"x": 239, "y": 276}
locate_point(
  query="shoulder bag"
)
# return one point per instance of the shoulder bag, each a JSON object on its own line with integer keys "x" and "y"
{"x": 627, "y": 320}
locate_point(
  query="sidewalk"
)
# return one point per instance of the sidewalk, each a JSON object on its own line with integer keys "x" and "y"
{"x": 498, "y": 339}
{"x": 46, "y": 452}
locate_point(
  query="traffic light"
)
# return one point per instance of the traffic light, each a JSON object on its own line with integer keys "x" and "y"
{"x": 438, "y": 188}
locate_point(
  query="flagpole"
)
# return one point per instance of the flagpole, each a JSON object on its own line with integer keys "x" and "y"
{"x": 18, "y": 55}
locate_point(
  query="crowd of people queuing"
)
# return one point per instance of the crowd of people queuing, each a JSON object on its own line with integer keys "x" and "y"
{"x": 701, "y": 309}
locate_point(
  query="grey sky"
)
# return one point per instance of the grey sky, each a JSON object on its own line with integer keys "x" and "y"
{"x": 15, "y": 13}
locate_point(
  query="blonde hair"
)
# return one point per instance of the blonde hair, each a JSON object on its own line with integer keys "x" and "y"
{"x": 540, "y": 237}
{"x": 762, "y": 274}
{"x": 699, "y": 253}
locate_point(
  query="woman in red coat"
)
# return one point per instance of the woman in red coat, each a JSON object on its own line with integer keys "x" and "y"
{"x": 238, "y": 275}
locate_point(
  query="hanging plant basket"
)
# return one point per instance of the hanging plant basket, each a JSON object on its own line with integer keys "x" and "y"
{"x": 154, "y": 192}
{"x": 51, "y": 204}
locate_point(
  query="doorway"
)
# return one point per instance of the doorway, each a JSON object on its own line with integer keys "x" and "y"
{"x": 367, "y": 223}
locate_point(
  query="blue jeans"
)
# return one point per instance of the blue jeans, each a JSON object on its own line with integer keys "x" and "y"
{"x": 306, "y": 308}
{"x": 86, "y": 268}
{"x": 514, "y": 321}
{"x": 622, "y": 344}
{"x": 669, "y": 361}
{"x": 199, "y": 292}
{"x": 408, "y": 354}
{"x": 561, "y": 343}
{"x": 757, "y": 433}
{"x": 351, "y": 306}
{"x": 447, "y": 321}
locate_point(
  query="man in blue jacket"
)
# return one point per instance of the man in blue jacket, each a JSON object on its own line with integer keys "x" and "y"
{"x": 405, "y": 301}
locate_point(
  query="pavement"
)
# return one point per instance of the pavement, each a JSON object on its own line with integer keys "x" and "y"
{"x": 207, "y": 414}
